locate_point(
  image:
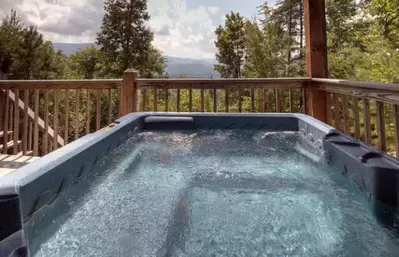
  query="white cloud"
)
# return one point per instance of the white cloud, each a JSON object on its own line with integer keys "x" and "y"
{"x": 179, "y": 31}
{"x": 213, "y": 9}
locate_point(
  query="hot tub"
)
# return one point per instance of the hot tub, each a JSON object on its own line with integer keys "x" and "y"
{"x": 161, "y": 184}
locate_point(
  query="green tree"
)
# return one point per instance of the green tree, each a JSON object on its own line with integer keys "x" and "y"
{"x": 125, "y": 39}
{"x": 231, "y": 47}
{"x": 28, "y": 53}
{"x": 85, "y": 62}
{"x": 386, "y": 13}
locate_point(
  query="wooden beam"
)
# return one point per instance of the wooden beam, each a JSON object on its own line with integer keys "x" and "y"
{"x": 316, "y": 56}
{"x": 128, "y": 99}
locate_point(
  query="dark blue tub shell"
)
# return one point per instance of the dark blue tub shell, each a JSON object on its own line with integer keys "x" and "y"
{"x": 24, "y": 192}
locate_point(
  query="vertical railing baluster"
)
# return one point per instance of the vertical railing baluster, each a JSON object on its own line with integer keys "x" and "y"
{"x": 155, "y": 100}
{"x": 345, "y": 112}
{"x": 98, "y": 109}
{"x": 252, "y": 100}
{"x": 166, "y": 100}
{"x": 56, "y": 114}
{"x": 265, "y": 100}
{"x": 356, "y": 117}
{"x": 66, "y": 132}
{"x": 30, "y": 138}
{"x": 337, "y": 108}
{"x": 25, "y": 123}
{"x": 290, "y": 99}
{"x": 77, "y": 111}
{"x": 366, "y": 113}
{"x": 110, "y": 105}
{"x": 16, "y": 123}
{"x": 304, "y": 101}
{"x": 178, "y": 100}
{"x": 239, "y": 99}
{"x": 36, "y": 125}
{"x": 11, "y": 122}
{"x": 46, "y": 121}
{"x": 144, "y": 100}
{"x": 6, "y": 120}
{"x": 381, "y": 126}
{"x": 202, "y": 100}
{"x": 215, "y": 101}
{"x": 227, "y": 99}
{"x": 88, "y": 111}
{"x": 278, "y": 103}
{"x": 190, "y": 100}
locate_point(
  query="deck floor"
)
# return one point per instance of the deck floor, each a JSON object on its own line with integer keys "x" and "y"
{"x": 9, "y": 163}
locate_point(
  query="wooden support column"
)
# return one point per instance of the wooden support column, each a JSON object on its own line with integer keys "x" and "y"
{"x": 128, "y": 98}
{"x": 316, "y": 56}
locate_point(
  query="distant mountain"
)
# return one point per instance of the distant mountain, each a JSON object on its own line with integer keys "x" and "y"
{"x": 71, "y": 48}
{"x": 176, "y": 66}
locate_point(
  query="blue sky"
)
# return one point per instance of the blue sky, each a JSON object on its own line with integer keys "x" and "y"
{"x": 183, "y": 28}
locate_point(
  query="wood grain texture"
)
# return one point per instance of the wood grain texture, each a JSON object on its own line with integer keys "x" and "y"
{"x": 129, "y": 93}
{"x": 6, "y": 121}
{"x": 278, "y": 102}
{"x": 46, "y": 122}
{"x": 388, "y": 93}
{"x": 178, "y": 100}
{"x": 30, "y": 138}
{"x": 36, "y": 125}
{"x": 316, "y": 55}
{"x": 88, "y": 110}
{"x": 382, "y": 145}
{"x": 366, "y": 119}
{"x": 31, "y": 114}
{"x": 66, "y": 117}
{"x": 252, "y": 100}
{"x": 215, "y": 97}
{"x": 144, "y": 100}
{"x": 226, "y": 99}
{"x": 110, "y": 105}
{"x": 98, "y": 110}
{"x": 202, "y": 100}
{"x": 337, "y": 112}
{"x": 77, "y": 112}
{"x": 239, "y": 96}
{"x": 166, "y": 100}
{"x": 345, "y": 112}
{"x": 190, "y": 100}
{"x": 291, "y": 101}
{"x": 56, "y": 116}
{"x": 155, "y": 100}
{"x": 16, "y": 123}
{"x": 265, "y": 100}
{"x": 356, "y": 117}
{"x": 25, "y": 125}
{"x": 61, "y": 84}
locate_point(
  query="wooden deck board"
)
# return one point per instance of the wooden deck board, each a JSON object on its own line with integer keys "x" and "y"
{"x": 9, "y": 163}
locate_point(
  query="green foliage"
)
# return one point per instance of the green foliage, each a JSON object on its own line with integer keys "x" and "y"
{"x": 230, "y": 45}
{"x": 125, "y": 39}
{"x": 85, "y": 62}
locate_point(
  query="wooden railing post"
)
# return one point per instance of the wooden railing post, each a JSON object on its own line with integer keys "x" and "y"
{"x": 128, "y": 98}
{"x": 316, "y": 56}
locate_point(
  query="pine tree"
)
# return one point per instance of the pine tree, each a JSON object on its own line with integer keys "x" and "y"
{"x": 230, "y": 45}
{"x": 124, "y": 38}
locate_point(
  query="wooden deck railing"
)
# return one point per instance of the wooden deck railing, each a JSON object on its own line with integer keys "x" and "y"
{"x": 41, "y": 116}
{"x": 221, "y": 95}
{"x": 367, "y": 111}
{"x": 71, "y": 109}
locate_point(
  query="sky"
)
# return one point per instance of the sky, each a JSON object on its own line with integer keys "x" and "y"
{"x": 182, "y": 28}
